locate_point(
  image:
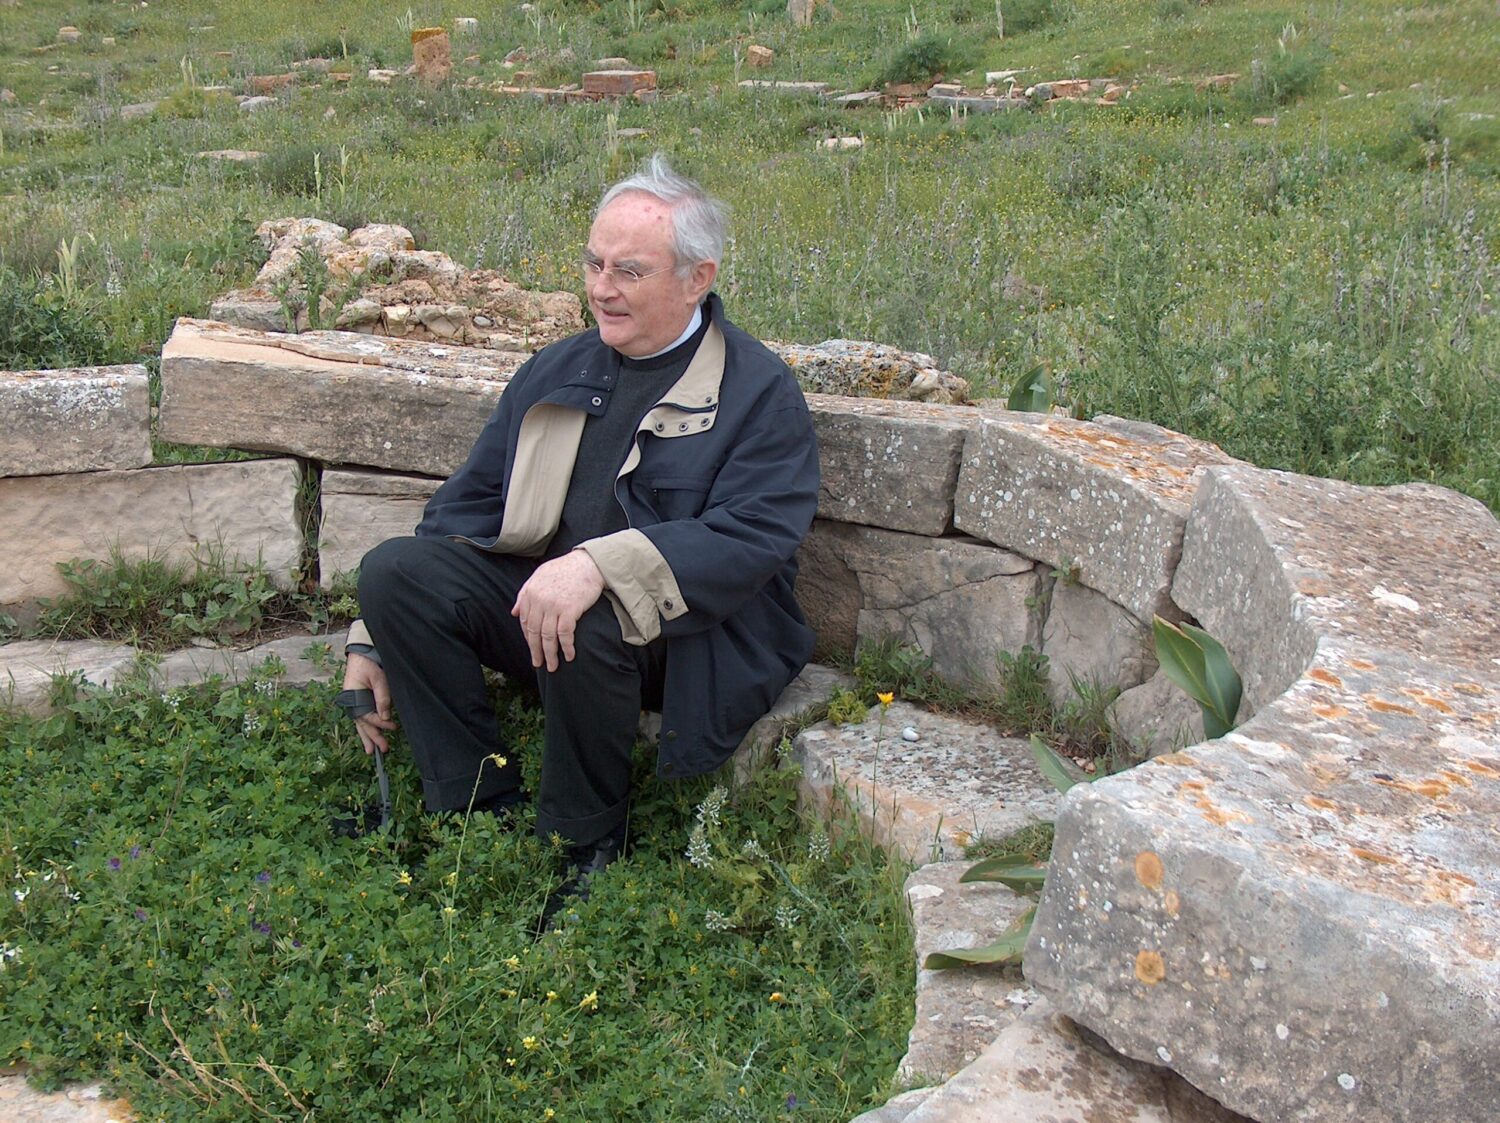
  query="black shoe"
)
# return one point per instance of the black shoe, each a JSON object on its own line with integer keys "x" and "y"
{"x": 358, "y": 823}
{"x": 583, "y": 863}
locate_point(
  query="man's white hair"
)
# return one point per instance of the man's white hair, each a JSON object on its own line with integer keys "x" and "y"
{"x": 698, "y": 219}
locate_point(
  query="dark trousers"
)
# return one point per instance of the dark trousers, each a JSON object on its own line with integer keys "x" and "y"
{"x": 439, "y": 611}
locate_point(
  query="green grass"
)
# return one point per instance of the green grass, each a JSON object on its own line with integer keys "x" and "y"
{"x": 178, "y": 918}
{"x": 1317, "y": 294}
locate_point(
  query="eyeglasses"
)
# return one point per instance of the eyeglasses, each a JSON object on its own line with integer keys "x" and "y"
{"x": 623, "y": 278}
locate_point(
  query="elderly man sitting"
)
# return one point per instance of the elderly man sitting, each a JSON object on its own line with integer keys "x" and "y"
{"x": 623, "y": 529}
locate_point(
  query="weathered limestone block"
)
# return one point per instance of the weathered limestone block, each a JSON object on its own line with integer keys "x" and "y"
{"x": 82, "y": 419}
{"x": 1110, "y": 499}
{"x": 618, "y": 83}
{"x": 1042, "y": 1068}
{"x": 363, "y": 509}
{"x": 1272, "y": 561}
{"x": 959, "y": 600}
{"x": 332, "y": 396}
{"x": 889, "y": 464}
{"x": 1157, "y": 716}
{"x": 874, "y": 370}
{"x": 898, "y": 1108}
{"x": 925, "y": 800}
{"x": 431, "y": 55}
{"x": 307, "y": 658}
{"x": 28, "y": 666}
{"x": 1092, "y": 639}
{"x": 960, "y": 1010}
{"x": 243, "y": 511}
{"x": 1301, "y": 917}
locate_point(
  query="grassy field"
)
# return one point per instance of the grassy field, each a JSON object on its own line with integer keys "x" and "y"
{"x": 1314, "y": 292}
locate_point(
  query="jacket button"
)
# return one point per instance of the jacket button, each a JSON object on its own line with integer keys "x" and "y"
{"x": 703, "y": 422}
{"x": 682, "y": 428}
{"x": 667, "y": 605}
{"x": 598, "y": 401}
{"x": 668, "y": 768}
{"x": 660, "y": 428}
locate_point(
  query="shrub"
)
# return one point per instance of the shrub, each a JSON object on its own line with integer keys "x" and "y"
{"x": 1289, "y": 72}
{"x": 42, "y": 325}
{"x": 920, "y": 60}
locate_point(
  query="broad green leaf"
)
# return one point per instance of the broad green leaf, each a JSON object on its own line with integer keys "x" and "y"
{"x": 1006, "y": 950}
{"x": 1062, "y": 773}
{"x": 1024, "y": 877}
{"x": 1223, "y": 682}
{"x": 1032, "y": 392}
{"x": 1198, "y": 664}
{"x": 1016, "y": 857}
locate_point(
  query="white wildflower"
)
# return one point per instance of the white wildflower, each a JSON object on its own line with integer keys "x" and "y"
{"x": 22, "y": 894}
{"x": 251, "y": 722}
{"x": 7, "y": 953}
{"x": 753, "y": 849}
{"x": 786, "y": 916}
{"x": 713, "y": 803}
{"x": 716, "y": 921}
{"x": 818, "y": 847}
{"x": 699, "y": 852}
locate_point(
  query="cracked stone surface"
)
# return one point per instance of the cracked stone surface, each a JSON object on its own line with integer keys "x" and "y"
{"x": 83, "y": 419}
{"x": 81, "y": 1103}
{"x": 1090, "y": 638}
{"x": 925, "y": 800}
{"x": 363, "y": 509}
{"x": 959, "y": 600}
{"x": 244, "y": 510}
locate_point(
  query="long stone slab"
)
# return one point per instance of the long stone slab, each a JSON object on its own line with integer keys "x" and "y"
{"x": 82, "y": 419}
{"x": 887, "y": 463}
{"x": 363, "y": 509}
{"x": 924, "y": 800}
{"x": 27, "y": 668}
{"x": 244, "y": 511}
{"x": 1110, "y": 499}
{"x": 333, "y": 396}
{"x": 959, "y": 600}
{"x": 1272, "y": 561}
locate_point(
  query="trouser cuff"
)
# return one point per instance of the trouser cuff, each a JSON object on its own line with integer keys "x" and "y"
{"x": 456, "y": 793}
{"x": 586, "y": 830}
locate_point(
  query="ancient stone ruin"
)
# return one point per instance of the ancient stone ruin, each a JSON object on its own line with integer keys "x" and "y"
{"x": 1298, "y": 920}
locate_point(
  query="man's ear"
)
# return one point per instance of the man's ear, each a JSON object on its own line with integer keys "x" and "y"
{"x": 701, "y": 279}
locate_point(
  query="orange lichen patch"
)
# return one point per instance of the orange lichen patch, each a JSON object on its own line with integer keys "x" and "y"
{"x": 1381, "y": 706}
{"x": 1322, "y": 774}
{"x": 1469, "y": 688}
{"x": 1373, "y": 856}
{"x": 1318, "y": 674}
{"x": 1148, "y": 870}
{"x": 1312, "y": 587}
{"x": 962, "y": 837}
{"x": 1319, "y": 803}
{"x": 1448, "y": 887}
{"x": 1172, "y": 903}
{"x": 1176, "y": 759}
{"x": 1149, "y": 968}
{"x": 1427, "y": 699}
{"x": 422, "y": 33}
{"x": 1360, "y": 664}
{"x": 1218, "y": 816}
{"x": 1455, "y": 778}
{"x": 1483, "y": 769}
{"x": 1192, "y": 786}
{"x": 1432, "y": 789}
{"x": 1331, "y": 712}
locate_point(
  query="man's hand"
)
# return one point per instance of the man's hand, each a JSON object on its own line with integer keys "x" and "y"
{"x": 552, "y": 600}
{"x": 366, "y": 674}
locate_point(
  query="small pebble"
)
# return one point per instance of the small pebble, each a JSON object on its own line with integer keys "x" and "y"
{"x": 910, "y": 734}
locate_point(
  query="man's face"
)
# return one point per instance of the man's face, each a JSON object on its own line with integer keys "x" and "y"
{"x": 635, "y": 232}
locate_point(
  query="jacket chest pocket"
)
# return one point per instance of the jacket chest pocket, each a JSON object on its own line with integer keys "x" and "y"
{"x": 676, "y": 496}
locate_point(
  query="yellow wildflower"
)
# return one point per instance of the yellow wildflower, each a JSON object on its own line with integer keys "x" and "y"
{"x": 449, "y": 912}
{"x": 777, "y": 996}
{"x": 403, "y": 878}
{"x": 498, "y": 760}
{"x": 513, "y": 963}
{"x": 552, "y": 996}
{"x": 529, "y": 1044}
{"x": 886, "y": 697}
{"x": 590, "y": 1001}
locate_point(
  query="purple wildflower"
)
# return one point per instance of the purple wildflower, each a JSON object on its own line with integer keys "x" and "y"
{"x": 114, "y": 863}
{"x": 135, "y": 852}
{"x": 140, "y": 914}
{"x": 264, "y": 877}
{"x": 791, "y": 1101}
{"x": 262, "y": 927}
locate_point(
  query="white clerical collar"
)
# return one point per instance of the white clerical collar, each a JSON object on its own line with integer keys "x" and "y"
{"x": 687, "y": 332}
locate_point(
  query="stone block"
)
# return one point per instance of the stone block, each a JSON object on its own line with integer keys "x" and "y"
{"x": 759, "y": 57}
{"x": 363, "y": 509}
{"x": 959, "y": 600}
{"x": 977, "y": 103}
{"x": 27, "y": 668}
{"x": 959, "y": 1010}
{"x": 1111, "y": 500}
{"x": 1300, "y": 917}
{"x": 1157, "y": 716}
{"x": 898, "y": 1108}
{"x": 1272, "y": 561}
{"x": 928, "y": 799}
{"x": 306, "y": 658}
{"x": 790, "y": 89}
{"x": 889, "y": 464}
{"x": 432, "y": 55}
{"x": 1090, "y": 638}
{"x": 264, "y": 85}
{"x": 338, "y": 397}
{"x": 618, "y": 83}
{"x": 82, "y": 419}
{"x": 800, "y": 12}
{"x": 1043, "y": 1068}
{"x": 861, "y": 368}
{"x": 243, "y": 511}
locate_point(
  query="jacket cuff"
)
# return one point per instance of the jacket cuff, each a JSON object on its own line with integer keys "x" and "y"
{"x": 639, "y": 583}
{"x": 360, "y": 634}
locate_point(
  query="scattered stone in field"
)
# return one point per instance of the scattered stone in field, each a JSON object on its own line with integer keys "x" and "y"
{"x": 842, "y": 143}
{"x": 874, "y": 370}
{"x": 633, "y": 134}
{"x": 993, "y": 76}
{"x": 1216, "y": 82}
{"x": 613, "y": 63}
{"x": 314, "y": 65}
{"x": 432, "y": 55}
{"x": 853, "y": 101}
{"x": 266, "y": 84}
{"x": 108, "y": 41}
{"x": 68, "y": 35}
{"x": 759, "y": 57}
{"x": 7, "y": 97}
{"x": 136, "y": 110}
{"x": 251, "y": 104}
{"x": 465, "y": 25}
{"x": 800, "y": 12}
{"x": 979, "y": 104}
{"x": 795, "y": 89}
{"x": 223, "y": 54}
{"x": 1263, "y": 120}
{"x": 938, "y": 89}
{"x": 232, "y": 155}
{"x": 618, "y": 83}
{"x": 330, "y": 114}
